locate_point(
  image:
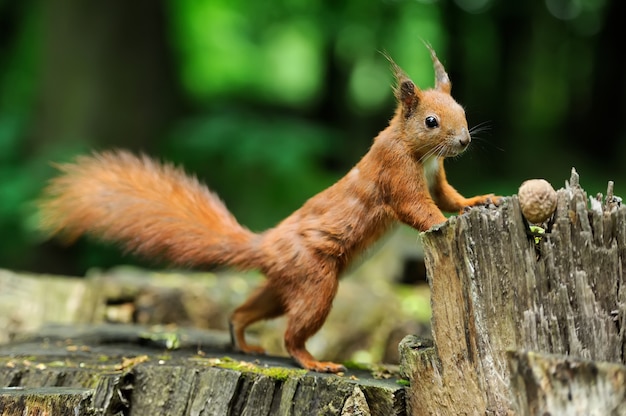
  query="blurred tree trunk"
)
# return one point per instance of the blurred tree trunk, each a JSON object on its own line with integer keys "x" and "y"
{"x": 107, "y": 75}
{"x": 107, "y": 80}
{"x": 609, "y": 66}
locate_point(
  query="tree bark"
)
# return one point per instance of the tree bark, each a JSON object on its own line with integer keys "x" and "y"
{"x": 553, "y": 385}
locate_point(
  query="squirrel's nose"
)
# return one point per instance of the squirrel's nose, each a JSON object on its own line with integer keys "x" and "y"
{"x": 465, "y": 138}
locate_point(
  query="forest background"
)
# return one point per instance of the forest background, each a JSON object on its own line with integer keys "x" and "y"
{"x": 270, "y": 102}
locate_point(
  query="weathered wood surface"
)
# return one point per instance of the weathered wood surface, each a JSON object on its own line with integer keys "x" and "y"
{"x": 545, "y": 384}
{"x": 27, "y": 301}
{"x": 494, "y": 289}
{"x": 127, "y": 370}
{"x": 45, "y": 401}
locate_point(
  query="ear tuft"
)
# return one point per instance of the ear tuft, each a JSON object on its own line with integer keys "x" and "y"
{"x": 442, "y": 81}
{"x": 406, "y": 92}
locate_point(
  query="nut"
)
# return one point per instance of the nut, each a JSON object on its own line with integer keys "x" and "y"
{"x": 537, "y": 198}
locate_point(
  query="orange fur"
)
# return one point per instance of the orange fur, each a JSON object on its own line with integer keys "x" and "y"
{"x": 156, "y": 210}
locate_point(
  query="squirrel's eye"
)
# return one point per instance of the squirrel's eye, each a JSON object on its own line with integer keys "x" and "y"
{"x": 431, "y": 122}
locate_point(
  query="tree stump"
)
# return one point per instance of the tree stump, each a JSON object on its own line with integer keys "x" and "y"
{"x": 496, "y": 289}
{"x": 127, "y": 370}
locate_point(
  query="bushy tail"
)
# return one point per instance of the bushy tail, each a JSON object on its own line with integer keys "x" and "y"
{"x": 151, "y": 209}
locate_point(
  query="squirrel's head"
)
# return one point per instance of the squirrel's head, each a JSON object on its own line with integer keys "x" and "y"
{"x": 431, "y": 121}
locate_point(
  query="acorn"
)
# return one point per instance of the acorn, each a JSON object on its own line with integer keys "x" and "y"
{"x": 537, "y": 198}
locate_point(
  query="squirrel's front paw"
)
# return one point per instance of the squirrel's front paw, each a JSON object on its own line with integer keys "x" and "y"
{"x": 482, "y": 200}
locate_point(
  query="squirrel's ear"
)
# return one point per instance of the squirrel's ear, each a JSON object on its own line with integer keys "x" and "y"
{"x": 407, "y": 95}
{"x": 406, "y": 92}
{"x": 442, "y": 81}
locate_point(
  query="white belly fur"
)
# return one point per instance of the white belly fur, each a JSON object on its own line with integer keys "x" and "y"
{"x": 431, "y": 167}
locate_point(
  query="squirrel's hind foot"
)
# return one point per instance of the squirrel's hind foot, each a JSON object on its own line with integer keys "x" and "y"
{"x": 238, "y": 342}
{"x": 306, "y": 361}
{"x": 250, "y": 349}
{"x": 322, "y": 366}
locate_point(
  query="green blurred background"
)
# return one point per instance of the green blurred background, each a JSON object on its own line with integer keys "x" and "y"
{"x": 270, "y": 102}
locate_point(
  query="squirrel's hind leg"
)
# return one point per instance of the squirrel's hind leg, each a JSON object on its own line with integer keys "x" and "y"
{"x": 306, "y": 312}
{"x": 262, "y": 304}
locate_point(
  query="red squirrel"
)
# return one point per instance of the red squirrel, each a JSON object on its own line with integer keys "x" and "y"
{"x": 156, "y": 210}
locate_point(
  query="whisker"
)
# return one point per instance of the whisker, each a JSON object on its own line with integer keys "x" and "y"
{"x": 485, "y": 123}
{"x": 422, "y": 146}
{"x": 480, "y": 127}
{"x": 424, "y": 156}
{"x": 431, "y": 152}
{"x": 484, "y": 143}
